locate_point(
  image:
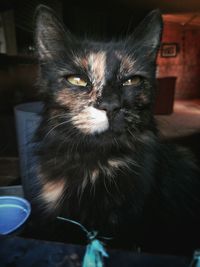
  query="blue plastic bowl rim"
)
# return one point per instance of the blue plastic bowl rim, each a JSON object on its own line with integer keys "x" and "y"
{"x": 26, "y": 206}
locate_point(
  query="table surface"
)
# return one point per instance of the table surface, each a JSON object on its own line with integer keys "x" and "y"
{"x": 21, "y": 252}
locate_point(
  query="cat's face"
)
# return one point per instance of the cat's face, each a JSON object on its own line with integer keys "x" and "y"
{"x": 99, "y": 88}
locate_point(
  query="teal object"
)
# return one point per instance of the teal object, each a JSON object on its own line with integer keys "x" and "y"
{"x": 95, "y": 251}
{"x": 196, "y": 259}
{"x": 94, "y": 254}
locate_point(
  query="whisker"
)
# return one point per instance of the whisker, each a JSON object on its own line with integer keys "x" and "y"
{"x": 56, "y": 126}
{"x": 60, "y": 116}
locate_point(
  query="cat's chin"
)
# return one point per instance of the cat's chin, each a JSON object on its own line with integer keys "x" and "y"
{"x": 91, "y": 121}
{"x": 108, "y": 138}
{"x": 115, "y": 130}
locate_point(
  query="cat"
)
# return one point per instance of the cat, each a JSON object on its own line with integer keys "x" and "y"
{"x": 100, "y": 158}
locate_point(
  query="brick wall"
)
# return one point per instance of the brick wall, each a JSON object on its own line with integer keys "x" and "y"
{"x": 186, "y": 65}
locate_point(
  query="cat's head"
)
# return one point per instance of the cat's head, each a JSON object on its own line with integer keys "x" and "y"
{"x": 98, "y": 88}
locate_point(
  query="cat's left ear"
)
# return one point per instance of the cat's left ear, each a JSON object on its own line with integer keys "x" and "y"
{"x": 51, "y": 37}
{"x": 147, "y": 35}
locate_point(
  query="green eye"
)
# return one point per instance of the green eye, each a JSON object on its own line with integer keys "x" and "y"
{"x": 135, "y": 80}
{"x": 75, "y": 80}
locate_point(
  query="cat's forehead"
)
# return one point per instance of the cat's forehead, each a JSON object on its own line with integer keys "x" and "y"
{"x": 106, "y": 56}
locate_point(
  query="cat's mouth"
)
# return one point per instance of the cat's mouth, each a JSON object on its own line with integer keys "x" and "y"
{"x": 92, "y": 121}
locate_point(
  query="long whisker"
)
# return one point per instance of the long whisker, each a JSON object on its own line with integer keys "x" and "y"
{"x": 56, "y": 126}
{"x": 60, "y": 116}
{"x": 131, "y": 133}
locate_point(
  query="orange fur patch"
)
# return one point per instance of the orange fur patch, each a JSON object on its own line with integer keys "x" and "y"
{"x": 71, "y": 100}
{"x": 52, "y": 191}
{"x": 127, "y": 63}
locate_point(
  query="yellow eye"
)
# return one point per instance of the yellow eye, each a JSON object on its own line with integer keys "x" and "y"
{"x": 75, "y": 80}
{"x": 135, "y": 80}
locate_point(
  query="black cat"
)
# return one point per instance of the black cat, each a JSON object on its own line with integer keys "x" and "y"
{"x": 100, "y": 160}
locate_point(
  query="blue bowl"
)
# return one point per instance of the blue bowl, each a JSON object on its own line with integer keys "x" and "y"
{"x": 14, "y": 211}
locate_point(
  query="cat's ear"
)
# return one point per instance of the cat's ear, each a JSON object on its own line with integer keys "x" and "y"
{"x": 148, "y": 34}
{"x": 50, "y": 35}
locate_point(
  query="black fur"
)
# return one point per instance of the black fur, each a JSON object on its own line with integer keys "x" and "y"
{"x": 152, "y": 199}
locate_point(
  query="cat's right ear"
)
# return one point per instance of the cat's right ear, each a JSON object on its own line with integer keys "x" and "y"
{"x": 147, "y": 36}
{"x": 50, "y": 35}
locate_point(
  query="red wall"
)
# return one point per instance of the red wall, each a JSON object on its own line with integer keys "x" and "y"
{"x": 186, "y": 65}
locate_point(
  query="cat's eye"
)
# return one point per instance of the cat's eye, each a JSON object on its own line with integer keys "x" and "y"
{"x": 135, "y": 80}
{"x": 76, "y": 80}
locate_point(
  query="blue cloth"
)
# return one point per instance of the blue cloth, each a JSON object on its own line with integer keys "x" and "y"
{"x": 94, "y": 254}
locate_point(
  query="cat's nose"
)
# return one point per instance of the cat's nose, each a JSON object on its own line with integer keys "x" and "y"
{"x": 110, "y": 106}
